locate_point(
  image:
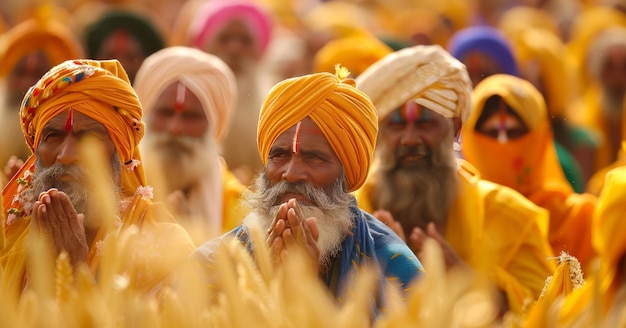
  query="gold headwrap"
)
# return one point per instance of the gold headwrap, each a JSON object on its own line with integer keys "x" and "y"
{"x": 356, "y": 53}
{"x": 56, "y": 41}
{"x": 428, "y": 74}
{"x": 345, "y": 115}
{"x": 98, "y": 89}
{"x": 207, "y": 76}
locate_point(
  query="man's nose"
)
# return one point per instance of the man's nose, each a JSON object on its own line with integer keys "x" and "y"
{"x": 295, "y": 171}
{"x": 176, "y": 125}
{"x": 68, "y": 152}
{"x": 411, "y": 136}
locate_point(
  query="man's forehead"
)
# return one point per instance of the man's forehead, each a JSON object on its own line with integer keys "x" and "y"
{"x": 305, "y": 130}
{"x": 79, "y": 119}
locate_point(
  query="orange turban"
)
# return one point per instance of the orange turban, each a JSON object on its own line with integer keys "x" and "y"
{"x": 56, "y": 41}
{"x": 98, "y": 89}
{"x": 345, "y": 115}
{"x": 356, "y": 53}
{"x": 207, "y": 76}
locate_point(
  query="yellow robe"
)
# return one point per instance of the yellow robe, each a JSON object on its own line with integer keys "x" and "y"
{"x": 233, "y": 213}
{"x": 496, "y": 231}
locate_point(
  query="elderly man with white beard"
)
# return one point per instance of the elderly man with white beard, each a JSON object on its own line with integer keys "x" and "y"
{"x": 189, "y": 96}
{"x": 418, "y": 187}
{"x": 316, "y": 135}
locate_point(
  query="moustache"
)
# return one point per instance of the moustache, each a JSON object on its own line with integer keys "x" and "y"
{"x": 178, "y": 143}
{"x": 417, "y": 150}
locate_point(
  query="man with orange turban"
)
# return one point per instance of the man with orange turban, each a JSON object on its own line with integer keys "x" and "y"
{"x": 188, "y": 96}
{"x": 419, "y": 188}
{"x": 58, "y": 196}
{"x": 316, "y": 135}
{"x": 27, "y": 51}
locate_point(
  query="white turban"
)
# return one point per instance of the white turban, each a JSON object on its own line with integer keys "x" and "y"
{"x": 207, "y": 76}
{"x": 426, "y": 73}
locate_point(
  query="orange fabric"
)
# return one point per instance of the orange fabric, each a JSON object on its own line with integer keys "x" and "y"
{"x": 56, "y": 41}
{"x": 356, "y": 53}
{"x": 529, "y": 164}
{"x": 345, "y": 115}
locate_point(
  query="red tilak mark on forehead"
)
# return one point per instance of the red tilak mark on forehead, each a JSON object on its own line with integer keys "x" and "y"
{"x": 296, "y": 138}
{"x": 69, "y": 124}
{"x": 121, "y": 38}
{"x": 411, "y": 111}
{"x": 180, "y": 98}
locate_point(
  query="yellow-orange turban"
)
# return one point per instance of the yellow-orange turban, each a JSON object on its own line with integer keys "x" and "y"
{"x": 426, "y": 73}
{"x": 345, "y": 115}
{"x": 98, "y": 89}
{"x": 54, "y": 39}
{"x": 356, "y": 53}
{"x": 207, "y": 76}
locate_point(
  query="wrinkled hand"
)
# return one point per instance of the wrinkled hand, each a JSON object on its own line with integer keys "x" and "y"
{"x": 289, "y": 230}
{"x": 418, "y": 237}
{"x": 12, "y": 166}
{"x": 55, "y": 218}
{"x": 387, "y": 218}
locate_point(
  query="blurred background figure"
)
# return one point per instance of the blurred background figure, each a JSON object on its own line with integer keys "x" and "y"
{"x": 125, "y": 35}
{"x": 188, "y": 98}
{"x": 27, "y": 51}
{"x": 509, "y": 140}
{"x": 238, "y": 32}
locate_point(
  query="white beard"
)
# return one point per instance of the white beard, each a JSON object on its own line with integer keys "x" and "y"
{"x": 333, "y": 227}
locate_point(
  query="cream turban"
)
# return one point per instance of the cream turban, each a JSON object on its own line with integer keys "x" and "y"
{"x": 428, "y": 74}
{"x": 345, "y": 115}
{"x": 207, "y": 76}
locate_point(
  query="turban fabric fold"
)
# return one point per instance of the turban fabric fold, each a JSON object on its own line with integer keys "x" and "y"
{"x": 98, "y": 89}
{"x": 345, "y": 115}
{"x": 356, "y": 53}
{"x": 426, "y": 73}
{"x": 207, "y": 76}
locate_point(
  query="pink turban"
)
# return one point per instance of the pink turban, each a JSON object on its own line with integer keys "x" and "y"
{"x": 213, "y": 16}
{"x": 207, "y": 76}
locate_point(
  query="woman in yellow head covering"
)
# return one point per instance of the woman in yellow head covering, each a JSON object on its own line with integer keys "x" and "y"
{"x": 99, "y": 90}
{"x": 509, "y": 140}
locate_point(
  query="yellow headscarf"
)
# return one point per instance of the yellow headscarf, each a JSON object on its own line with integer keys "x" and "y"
{"x": 356, "y": 53}
{"x": 53, "y": 38}
{"x": 345, "y": 115}
{"x": 530, "y": 164}
{"x": 428, "y": 74}
{"x": 207, "y": 76}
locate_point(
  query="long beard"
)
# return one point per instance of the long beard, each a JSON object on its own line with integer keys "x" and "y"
{"x": 420, "y": 194}
{"x": 331, "y": 209}
{"x": 76, "y": 188}
{"x": 181, "y": 159}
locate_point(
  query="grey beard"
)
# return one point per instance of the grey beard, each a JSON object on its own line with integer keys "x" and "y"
{"x": 77, "y": 190}
{"x": 331, "y": 209}
{"x": 181, "y": 159}
{"x": 416, "y": 195}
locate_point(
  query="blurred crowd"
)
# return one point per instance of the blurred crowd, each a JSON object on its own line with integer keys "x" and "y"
{"x": 518, "y": 106}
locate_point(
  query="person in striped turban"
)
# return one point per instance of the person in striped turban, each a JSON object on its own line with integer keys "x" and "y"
{"x": 188, "y": 96}
{"x": 423, "y": 191}
{"x": 81, "y": 112}
{"x": 316, "y": 135}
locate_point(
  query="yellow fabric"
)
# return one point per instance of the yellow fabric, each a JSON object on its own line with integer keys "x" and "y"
{"x": 596, "y": 182}
{"x": 520, "y": 18}
{"x": 543, "y": 51}
{"x": 356, "y": 53}
{"x": 100, "y": 90}
{"x": 608, "y": 239}
{"x": 233, "y": 211}
{"x": 496, "y": 231}
{"x": 427, "y": 74}
{"x": 345, "y": 115}
{"x": 54, "y": 39}
{"x": 530, "y": 164}
{"x": 586, "y": 26}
